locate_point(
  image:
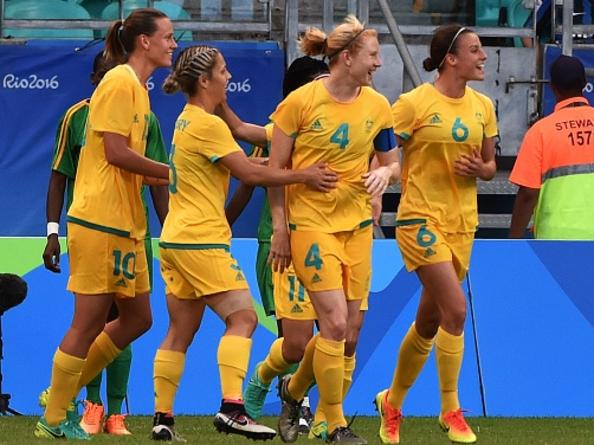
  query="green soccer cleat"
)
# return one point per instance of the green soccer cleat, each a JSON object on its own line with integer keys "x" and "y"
{"x": 65, "y": 430}
{"x": 71, "y": 411}
{"x": 455, "y": 425}
{"x": 255, "y": 394}
{"x": 319, "y": 431}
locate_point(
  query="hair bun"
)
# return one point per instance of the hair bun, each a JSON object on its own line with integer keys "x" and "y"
{"x": 428, "y": 64}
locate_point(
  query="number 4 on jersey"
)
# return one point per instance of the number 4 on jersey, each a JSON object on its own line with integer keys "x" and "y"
{"x": 313, "y": 257}
{"x": 341, "y": 136}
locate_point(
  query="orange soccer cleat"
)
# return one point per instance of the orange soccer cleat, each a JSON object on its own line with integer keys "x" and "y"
{"x": 390, "y": 419}
{"x": 455, "y": 425}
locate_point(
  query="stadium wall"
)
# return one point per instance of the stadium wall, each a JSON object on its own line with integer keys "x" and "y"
{"x": 534, "y": 318}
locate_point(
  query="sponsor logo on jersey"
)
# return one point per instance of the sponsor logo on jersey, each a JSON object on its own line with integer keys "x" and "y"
{"x": 239, "y": 277}
{"x": 436, "y": 119}
{"x": 316, "y": 278}
{"x": 296, "y": 309}
{"x": 317, "y": 125}
{"x": 121, "y": 283}
{"x": 429, "y": 252}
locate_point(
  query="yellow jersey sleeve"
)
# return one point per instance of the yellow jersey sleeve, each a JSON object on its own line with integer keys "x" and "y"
{"x": 217, "y": 142}
{"x": 288, "y": 115}
{"x": 116, "y": 113}
{"x": 403, "y": 114}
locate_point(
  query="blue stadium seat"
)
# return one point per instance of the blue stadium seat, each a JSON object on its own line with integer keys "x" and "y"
{"x": 487, "y": 12}
{"x": 173, "y": 11}
{"x": 46, "y": 9}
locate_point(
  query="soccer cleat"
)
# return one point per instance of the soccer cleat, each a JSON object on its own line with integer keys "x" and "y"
{"x": 71, "y": 411}
{"x": 319, "y": 431}
{"x": 455, "y": 425}
{"x": 255, "y": 394}
{"x": 288, "y": 421}
{"x": 116, "y": 426}
{"x": 343, "y": 434}
{"x": 65, "y": 430}
{"x": 163, "y": 428}
{"x": 233, "y": 419}
{"x": 92, "y": 418}
{"x": 305, "y": 419}
{"x": 390, "y": 419}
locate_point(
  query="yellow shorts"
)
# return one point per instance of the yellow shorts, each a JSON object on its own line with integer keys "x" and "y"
{"x": 291, "y": 300}
{"x": 329, "y": 261}
{"x": 422, "y": 245}
{"x": 104, "y": 263}
{"x": 194, "y": 273}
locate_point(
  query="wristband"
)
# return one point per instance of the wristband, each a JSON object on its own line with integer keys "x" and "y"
{"x": 52, "y": 228}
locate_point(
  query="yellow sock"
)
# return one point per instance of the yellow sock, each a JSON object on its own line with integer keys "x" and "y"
{"x": 413, "y": 354}
{"x": 304, "y": 376}
{"x": 349, "y": 369}
{"x": 167, "y": 371}
{"x": 66, "y": 371}
{"x": 328, "y": 364}
{"x": 449, "y": 350}
{"x": 101, "y": 353}
{"x": 274, "y": 364}
{"x": 233, "y": 357}
{"x": 320, "y": 415}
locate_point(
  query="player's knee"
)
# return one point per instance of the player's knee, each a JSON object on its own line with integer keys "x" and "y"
{"x": 294, "y": 348}
{"x": 243, "y": 322}
{"x": 143, "y": 322}
{"x": 336, "y": 329}
{"x": 454, "y": 318}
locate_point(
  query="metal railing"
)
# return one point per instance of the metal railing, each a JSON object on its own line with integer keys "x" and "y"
{"x": 202, "y": 26}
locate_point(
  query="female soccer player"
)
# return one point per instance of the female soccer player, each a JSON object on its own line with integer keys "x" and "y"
{"x": 195, "y": 260}
{"x": 106, "y": 221}
{"x": 339, "y": 120}
{"x": 69, "y": 140}
{"x": 447, "y": 131}
{"x": 282, "y": 294}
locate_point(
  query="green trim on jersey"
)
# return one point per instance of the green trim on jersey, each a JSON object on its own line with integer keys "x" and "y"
{"x": 99, "y": 227}
{"x": 187, "y": 246}
{"x": 410, "y": 222}
{"x": 69, "y": 140}
{"x": 265, "y": 224}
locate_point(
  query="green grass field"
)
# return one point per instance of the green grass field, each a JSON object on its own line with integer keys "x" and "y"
{"x": 415, "y": 430}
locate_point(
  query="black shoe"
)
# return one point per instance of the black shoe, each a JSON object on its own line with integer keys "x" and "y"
{"x": 288, "y": 421}
{"x": 305, "y": 420}
{"x": 233, "y": 419}
{"x": 343, "y": 434}
{"x": 163, "y": 428}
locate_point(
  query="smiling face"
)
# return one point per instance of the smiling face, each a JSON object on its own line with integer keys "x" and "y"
{"x": 161, "y": 44}
{"x": 216, "y": 83}
{"x": 469, "y": 59}
{"x": 365, "y": 61}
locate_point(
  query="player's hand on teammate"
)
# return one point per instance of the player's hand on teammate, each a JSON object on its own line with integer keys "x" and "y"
{"x": 377, "y": 180}
{"x": 259, "y": 161}
{"x": 280, "y": 251}
{"x": 376, "y": 209}
{"x": 320, "y": 177}
{"x": 51, "y": 254}
{"x": 150, "y": 180}
{"x": 470, "y": 165}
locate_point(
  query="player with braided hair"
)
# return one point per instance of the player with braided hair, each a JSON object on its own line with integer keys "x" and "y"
{"x": 196, "y": 262}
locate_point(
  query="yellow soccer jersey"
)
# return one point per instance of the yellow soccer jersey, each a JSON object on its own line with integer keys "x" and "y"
{"x": 106, "y": 197}
{"x": 198, "y": 184}
{"x": 343, "y": 135}
{"x": 436, "y": 130}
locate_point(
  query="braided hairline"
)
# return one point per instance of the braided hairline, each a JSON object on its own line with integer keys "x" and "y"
{"x": 196, "y": 61}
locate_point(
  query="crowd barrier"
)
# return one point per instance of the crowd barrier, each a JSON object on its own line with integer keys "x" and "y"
{"x": 533, "y": 310}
